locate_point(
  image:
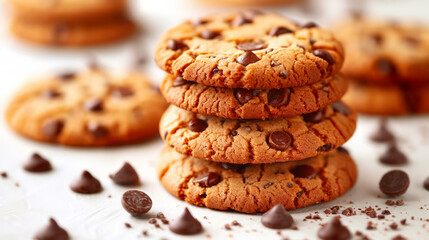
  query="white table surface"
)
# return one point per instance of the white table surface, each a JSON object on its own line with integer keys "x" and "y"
{"x": 26, "y": 208}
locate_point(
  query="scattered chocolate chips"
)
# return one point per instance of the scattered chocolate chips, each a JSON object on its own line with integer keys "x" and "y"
{"x": 277, "y": 218}
{"x": 86, "y": 184}
{"x": 50, "y": 94}
{"x": 51, "y": 232}
{"x": 209, "y": 34}
{"x": 93, "y": 105}
{"x": 382, "y": 134}
{"x": 197, "y": 125}
{"x": 279, "y": 31}
{"x": 314, "y": 117}
{"x": 309, "y": 25}
{"x": 174, "y": 44}
{"x": 385, "y": 66}
{"x": 248, "y": 57}
{"x": 136, "y": 203}
{"x": 304, "y": 171}
{"x": 97, "y": 130}
{"x": 341, "y": 108}
{"x": 179, "y": 81}
{"x": 393, "y": 156}
{"x": 343, "y": 150}
{"x": 325, "y": 55}
{"x": 334, "y": 230}
{"x": 238, "y": 168}
{"x": 394, "y": 183}
{"x": 243, "y": 95}
{"x": 121, "y": 92}
{"x": 37, "y": 163}
{"x": 51, "y": 128}
{"x": 325, "y": 148}
{"x": 278, "y": 97}
{"x": 127, "y": 175}
{"x": 66, "y": 76}
{"x": 426, "y": 183}
{"x": 284, "y": 74}
{"x": 185, "y": 224}
{"x": 207, "y": 179}
{"x": 250, "y": 46}
{"x": 279, "y": 140}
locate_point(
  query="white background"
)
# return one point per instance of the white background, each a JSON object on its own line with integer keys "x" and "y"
{"x": 26, "y": 208}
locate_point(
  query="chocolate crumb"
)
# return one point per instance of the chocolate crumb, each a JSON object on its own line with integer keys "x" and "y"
{"x": 152, "y": 221}
{"x": 127, "y": 225}
{"x": 403, "y": 221}
{"x": 393, "y": 226}
{"x": 235, "y": 223}
{"x": 4, "y": 174}
{"x": 228, "y": 227}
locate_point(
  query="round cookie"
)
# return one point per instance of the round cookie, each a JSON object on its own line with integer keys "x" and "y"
{"x": 257, "y": 141}
{"x": 384, "y": 52}
{"x": 387, "y": 99}
{"x": 252, "y": 104}
{"x": 257, "y": 187}
{"x": 92, "y": 108}
{"x": 69, "y": 34}
{"x": 251, "y": 50}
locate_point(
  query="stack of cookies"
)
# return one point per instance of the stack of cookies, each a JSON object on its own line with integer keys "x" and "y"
{"x": 256, "y": 119}
{"x": 71, "y": 23}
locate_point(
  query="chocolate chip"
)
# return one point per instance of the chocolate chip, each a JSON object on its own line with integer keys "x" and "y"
{"x": 207, "y": 179}
{"x": 393, "y": 156}
{"x": 197, "y": 125}
{"x": 86, "y": 184}
{"x": 343, "y": 150}
{"x": 209, "y": 34}
{"x": 382, "y": 134}
{"x": 250, "y": 46}
{"x": 304, "y": 171}
{"x": 426, "y": 183}
{"x": 97, "y": 130}
{"x": 325, "y": 148}
{"x": 37, "y": 163}
{"x": 66, "y": 76}
{"x": 136, "y": 203}
{"x": 298, "y": 194}
{"x": 309, "y": 25}
{"x": 238, "y": 168}
{"x": 185, "y": 224}
{"x": 215, "y": 71}
{"x": 314, "y": 117}
{"x": 50, "y": 94}
{"x": 385, "y": 66}
{"x": 93, "y": 105}
{"x": 51, "y": 232}
{"x": 243, "y": 95}
{"x": 284, "y": 74}
{"x": 334, "y": 230}
{"x": 179, "y": 81}
{"x": 126, "y": 175}
{"x": 311, "y": 41}
{"x": 278, "y": 97}
{"x": 341, "y": 108}
{"x": 377, "y": 38}
{"x": 248, "y": 57}
{"x": 121, "y": 92}
{"x": 280, "y": 140}
{"x": 3, "y": 174}
{"x": 174, "y": 44}
{"x": 273, "y": 63}
{"x": 394, "y": 183}
{"x": 267, "y": 185}
{"x": 52, "y": 128}
{"x": 279, "y": 31}
{"x": 325, "y": 55}
{"x": 240, "y": 20}
{"x": 277, "y": 218}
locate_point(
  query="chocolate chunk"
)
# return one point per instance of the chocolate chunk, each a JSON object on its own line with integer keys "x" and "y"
{"x": 314, "y": 117}
{"x": 343, "y": 150}
{"x": 243, "y": 95}
{"x": 185, "y": 224}
{"x": 121, "y": 92}
{"x": 197, "y": 125}
{"x": 127, "y": 175}
{"x": 393, "y": 156}
{"x": 325, "y": 55}
{"x": 340, "y": 107}
{"x": 278, "y": 97}
{"x": 37, "y": 163}
{"x": 97, "y": 130}
{"x": 179, "y": 81}
{"x": 215, "y": 71}
{"x": 3, "y": 174}
{"x": 284, "y": 74}
{"x": 174, "y": 44}
{"x": 240, "y": 20}
{"x": 334, "y": 230}
{"x": 238, "y": 168}
{"x": 309, "y": 25}
{"x": 250, "y": 46}
{"x": 51, "y": 232}
{"x": 86, "y": 184}
{"x": 136, "y": 203}
{"x": 385, "y": 66}
{"x": 280, "y": 140}
{"x": 93, "y": 105}
{"x": 279, "y": 31}
{"x": 50, "y": 94}
{"x": 209, "y": 34}
{"x": 277, "y": 218}
{"x": 394, "y": 183}
{"x": 325, "y": 148}
{"x": 304, "y": 171}
{"x": 207, "y": 179}
{"x": 52, "y": 128}
{"x": 66, "y": 76}
{"x": 382, "y": 134}
{"x": 426, "y": 183}
{"x": 248, "y": 57}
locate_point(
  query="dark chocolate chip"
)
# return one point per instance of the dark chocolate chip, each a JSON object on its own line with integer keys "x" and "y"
{"x": 136, "y": 203}
{"x": 240, "y": 20}
{"x": 97, "y": 130}
{"x": 66, "y": 76}
{"x": 393, "y": 156}
{"x": 215, "y": 71}
{"x": 185, "y": 224}
{"x": 207, "y": 179}
{"x": 243, "y": 95}
{"x": 325, "y": 55}
{"x": 298, "y": 194}
{"x": 278, "y": 97}
{"x": 426, "y": 183}
{"x": 334, "y": 230}
{"x": 121, "y": 92}
{"x": 385, "y": 66}
{"x": 304, "y": 171}
{"x": 250, "y": 46}
{"x": 209, "y": 34}
{"x": 394, "y": 183}
{"x": 277, "y": 218}
{"x": 382, "y": 134}
{"x": 93, "y": 105}
{"x": 280, "y": 140}
{"x": 51, "y": 232}
{"x": 325, "y": 148}
{"x": 284, "y": 74}
{"x": 52, "y": 128}
{"x": 248, "y": 57}
{"x": 343, "y": 150}
{"x": 197, "y": 125}
{"x": 126, "y": 175}
{"x": 311, "y": 41}
{"x": 50, "y": 94}
{"x": 340, "y": 107}
{"x": 3, "y": 174}
{"x": 309, "y": 25}
{"x": 279, "y": 31}
{"x": 273, "y": 63}
{"x": 86, "y": 184}
{"x": 314, "y": 117}
{"x": 238, "y": 168}
{"x": 174, "y": 44}
{"x": 179, "y": 81}
{"x": 267, "y": 185}
{"x": 37, "y": 163}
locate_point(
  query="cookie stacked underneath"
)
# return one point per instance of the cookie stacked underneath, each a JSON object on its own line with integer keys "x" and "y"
{"x": 257, "y": 119}
{"x": 71, "y": 22}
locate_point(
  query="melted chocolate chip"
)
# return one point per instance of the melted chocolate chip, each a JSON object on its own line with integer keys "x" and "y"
{"x": 277, "y": 218}
{"x": 280, "y": 140}
{"x": 334, "y": 230}
{"x": 278, "y": 97}
{"x": 66, "y": 76}
{"x": 185, "y": 224}
{"x": 51, "y": 232}
{"x": 250, "y": 46}
{"x": 209, "y": 34}
{"x": 325, "y": 148}
{"x": 52, "y": 128}
{"x": 86, "y": 184}
{"x": 50, "y": 94}
{"x": 238, "y": 168}
{"x": 385, "y": 66}
{"x": 197, "y": 125}
{"x": 37, "y": 163}
{"x": 309, "y": 25}
{"x": 279, "y": 31}
{"x": 314, "y": 117}
{"x": 284, "y": 74}
{"x": 325, "y": 55}
{"x": 394, "y": 183}
{"x": 243, "y": 95}
{"x": 97, "y": 130}
{"x": 121, "y": 92}
{"x": 93, "y": 105}
{"x": 248, "y": 57}
{"x": 240, "y": 20}
{"x": 207, "y": 179}
{"x": 126, "y": 175}
{"x": 393, "y": 156}
{"x": 304, "y": 171}
{"x": 343, "y": 150}
{"x": 179, "y": 81}
{"x": 382, "y": 134}
{"x": 136, "y": 203}
{"x": 341, "y": 108}
{"x": 426, "y": 183}
{"x": 174, "y": 44}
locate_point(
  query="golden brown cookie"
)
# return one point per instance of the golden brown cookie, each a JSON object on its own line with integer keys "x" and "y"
{"x": 395, "y": 99}
{"x": 257, "y": 187}
{"x": 257, "y": 141}
{"x": 251, "y": 50}
{"x": 92, "y": 108}
{"x": 384, "y": 52}
{"x": 252, "y": 104}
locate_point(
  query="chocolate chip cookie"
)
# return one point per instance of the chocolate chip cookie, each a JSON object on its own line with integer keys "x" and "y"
{"x": 93, "y": 108}
{"x": 252, "y": 104}
{"x": 257, "y": 187}
{"x": 257, "y": 141}
{"x": 251, "y": 50}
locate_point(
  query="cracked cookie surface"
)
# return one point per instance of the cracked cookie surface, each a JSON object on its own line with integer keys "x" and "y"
{"x": 252, "y": 104}
{"x": 92, "y": 108}
{"x": 249, "y": 49}
{"x": 257, "y": 187}
{"x": 257, "y": 141}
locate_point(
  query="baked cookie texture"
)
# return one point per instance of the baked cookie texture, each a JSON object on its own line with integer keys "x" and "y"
{"x": 257, "y": 187}
{"x": 93, "y": 108}
{"x": 250, "y": 50}
{"x": 253, "y": 104}
{"x": 258, "y": 141}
